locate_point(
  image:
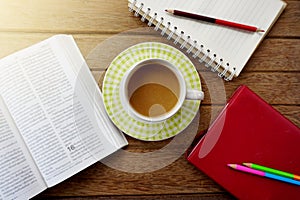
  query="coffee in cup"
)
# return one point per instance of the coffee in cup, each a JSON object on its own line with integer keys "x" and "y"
{"x": 153, "y": 90}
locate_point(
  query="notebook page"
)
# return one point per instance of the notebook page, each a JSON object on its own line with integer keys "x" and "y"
{"x": 234, "y": 46}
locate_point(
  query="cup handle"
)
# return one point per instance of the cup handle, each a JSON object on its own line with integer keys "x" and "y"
{"x": 194, "y": 94}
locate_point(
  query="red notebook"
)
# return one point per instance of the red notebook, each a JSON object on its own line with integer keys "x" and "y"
{"x": 249, "y": 130}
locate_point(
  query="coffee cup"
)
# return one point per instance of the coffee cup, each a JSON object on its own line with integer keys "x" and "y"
{"x": 153, "y": 90}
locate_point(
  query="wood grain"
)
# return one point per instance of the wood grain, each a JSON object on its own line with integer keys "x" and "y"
{"x": 177, "y": 178}
{"x": 270, "y": 56}
{"x": 102, "y": 29}
{"x": 269, "y": 85}
{"x": 203, "y": 196}
{"x": 98, "y": 16}
{"x": 68, "y": 16}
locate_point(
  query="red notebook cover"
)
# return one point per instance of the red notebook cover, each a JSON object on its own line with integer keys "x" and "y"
{"x": 249, "y": 130}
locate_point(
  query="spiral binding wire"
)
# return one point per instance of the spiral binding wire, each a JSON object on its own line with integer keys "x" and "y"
{"x": 152, "y": 19}
{"x": 217, "y": 66}
{"x": 212, "y": 59}
{"x": 138, "y": 11}
{"x": 131, "y": 6}
{"x": 159, "y": 23}
{"x": 185, "y": 42}
{"x": 197, "y": 53}
{"x": 145, "y": 15}
{"x": 200, "y": 52}
{"x": 165, "y": 29}
{"x": 230, "y": 77}
{"x": 191, "y": 47}
{"x": 178, "y": 37}
{"x": 205, "y": 55}
{"x": 222, "y": 74}
{"x": 172, "y": 33}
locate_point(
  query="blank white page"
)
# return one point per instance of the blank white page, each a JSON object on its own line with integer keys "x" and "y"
{"x": 234, "y": 46}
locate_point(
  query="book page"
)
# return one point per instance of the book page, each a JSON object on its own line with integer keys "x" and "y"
{"x": 234, "y": 46}
{"x": 19, "y": 176}
{"x": 86, "y": 84}
{"x": 51, "y": 111}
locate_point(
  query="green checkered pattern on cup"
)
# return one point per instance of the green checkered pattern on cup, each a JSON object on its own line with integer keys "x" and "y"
{"x": 119, "y": 115}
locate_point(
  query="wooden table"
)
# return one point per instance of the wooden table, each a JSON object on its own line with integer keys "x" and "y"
{"x": 273, "y": 72}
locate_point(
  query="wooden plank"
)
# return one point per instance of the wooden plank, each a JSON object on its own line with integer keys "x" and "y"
{"x": 76, "y": 16}
{"x": 178, "y": 178}
{"x": 288, "y": 23}
{"x": 272, "y": 72}
{"x": 275, "y": 55}
{"x": 199, "y": 196}
{"x": 286, "y": 82}
{"x": 101, "y": 180}
{"x": 275, "y": 88}
{"x": 270, "y": 56}
{"x": 100, "y": 49}
{"x": 99, "y": 16}
{"x": 13, "y": 41}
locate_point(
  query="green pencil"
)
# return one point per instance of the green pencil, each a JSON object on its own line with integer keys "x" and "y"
{"x": 272, "y": 171}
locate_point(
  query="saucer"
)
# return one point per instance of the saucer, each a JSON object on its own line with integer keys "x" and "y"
{"x": 118, "y": 114}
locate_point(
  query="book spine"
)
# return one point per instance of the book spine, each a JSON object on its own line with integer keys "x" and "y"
{"x": 204, "y": 55}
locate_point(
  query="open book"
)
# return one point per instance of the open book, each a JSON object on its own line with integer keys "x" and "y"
{"x": 223, "y": 49}
{"x": 52, "y": 120}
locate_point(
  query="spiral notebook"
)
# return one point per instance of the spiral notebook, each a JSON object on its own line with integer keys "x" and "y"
{"x": 224, "y": 50}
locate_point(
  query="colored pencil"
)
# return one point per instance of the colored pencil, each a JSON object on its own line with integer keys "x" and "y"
{"x": 272, "y": 171}
{"x": 214, "y": 20}
{"x": 264, "y": 174}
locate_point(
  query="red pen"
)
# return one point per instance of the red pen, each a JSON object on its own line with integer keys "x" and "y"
{"x": 214, "y": 20}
